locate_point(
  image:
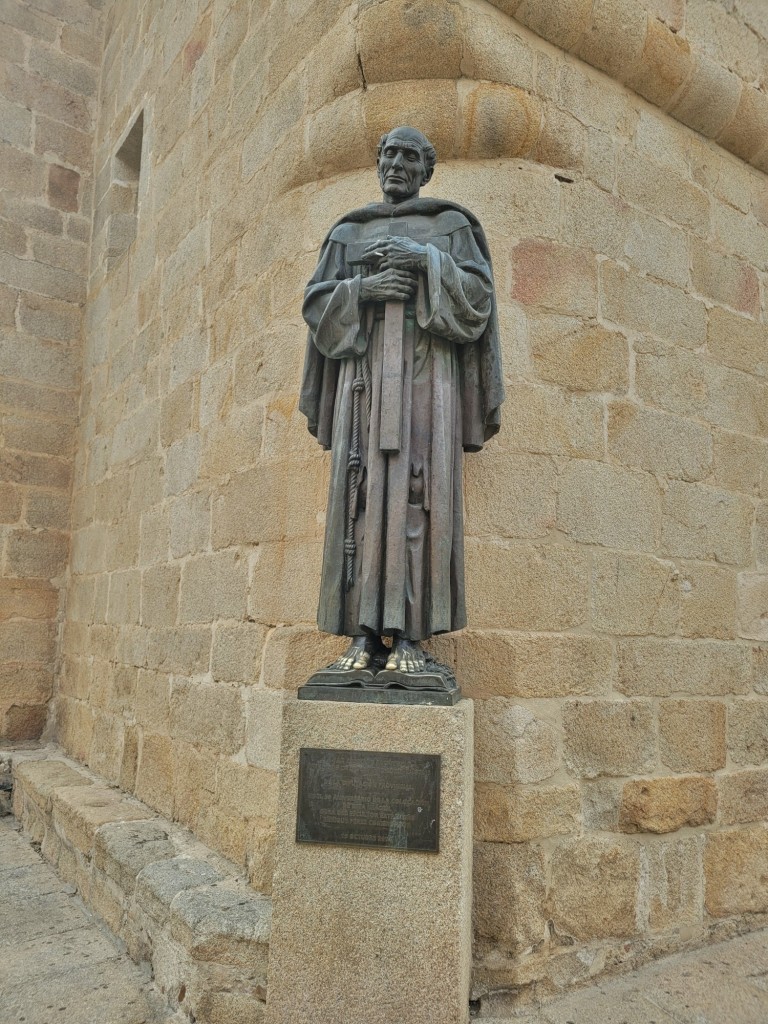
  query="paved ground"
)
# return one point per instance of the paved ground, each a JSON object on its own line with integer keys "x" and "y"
{"x": 58, "y": 965}
{"x": 723, "y": 984}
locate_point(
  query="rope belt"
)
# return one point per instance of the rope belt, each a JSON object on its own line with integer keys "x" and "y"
{"x": 361, "y": 383}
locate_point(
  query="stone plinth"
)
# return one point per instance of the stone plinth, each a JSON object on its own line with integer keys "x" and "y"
{"x": 373, "y": 936}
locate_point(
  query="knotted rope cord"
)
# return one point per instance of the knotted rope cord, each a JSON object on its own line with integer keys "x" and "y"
{"x": 354, "y": 461}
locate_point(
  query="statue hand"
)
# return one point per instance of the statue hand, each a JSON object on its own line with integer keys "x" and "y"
{"x": 398, "y": 252}
{"x": 388, "y": 286}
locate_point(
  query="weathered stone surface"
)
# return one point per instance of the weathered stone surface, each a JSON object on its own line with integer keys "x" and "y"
{"x": 79, "y": 812}
{"x": 513, "y": 814}
{"x": 512, "y": 743}
{"x": 342, "y": 910}
{"x": 123, "y": 849}
{"x": 748, "y": 731}
{"x": 593, "y": 888}
{"x": 665, "y": 805}
{"x": 692, "y": 735}
{"x": 159, "y": 883}
{"x": 608, "y": 737}
{"x": 663, "y": 667}
{"x": 744, "y": 796}
{"x": 509, "y": 889}
{"x": 735, "y": 868}
{"x": 227, "y": 926}
{"x": 675, "y": 883}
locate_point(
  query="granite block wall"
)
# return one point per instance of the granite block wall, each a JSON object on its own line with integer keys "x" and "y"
{"x": 617, "y": 558}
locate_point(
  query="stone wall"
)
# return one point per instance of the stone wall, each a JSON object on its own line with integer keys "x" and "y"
{"x": 49, "y": 59}
{"x": 617, "y": 527}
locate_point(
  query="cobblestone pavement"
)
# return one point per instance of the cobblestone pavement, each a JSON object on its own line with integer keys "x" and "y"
{"x": 58, "y": 964}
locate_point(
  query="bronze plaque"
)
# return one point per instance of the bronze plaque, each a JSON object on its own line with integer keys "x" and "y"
{"x": 369, "y": 798}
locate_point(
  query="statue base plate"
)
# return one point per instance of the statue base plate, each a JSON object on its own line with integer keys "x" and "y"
{"x": 379, "y": 695}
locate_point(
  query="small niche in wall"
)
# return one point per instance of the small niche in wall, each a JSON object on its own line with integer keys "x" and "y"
{"x": 122, "y": 198}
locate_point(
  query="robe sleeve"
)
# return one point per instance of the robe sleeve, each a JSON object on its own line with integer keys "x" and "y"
{"x": 455, "y": 301}
{"x": 332, "y": 306}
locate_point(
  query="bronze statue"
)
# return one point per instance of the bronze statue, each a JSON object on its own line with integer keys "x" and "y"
{"x": 402, "y": 374}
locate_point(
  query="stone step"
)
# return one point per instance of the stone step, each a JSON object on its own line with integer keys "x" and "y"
{"x": 178, "y": 906}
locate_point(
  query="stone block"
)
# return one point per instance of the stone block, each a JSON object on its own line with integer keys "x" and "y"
{"x": 562, "y": 24}
{"x": 39, "y": 553}
{"x": 615, "y": 37}
{"x": 551, "y": 276}
{"x": 123, "y": 849}
{"x": 675, "y": 883}
{"x": 510, "y": 495}
{"x": 160, "y": 595}
{"x": 293, "y": 653}
{"x": 748, "y": 731}
{"x": 544, "y": 420}
{"x": 665, "y": 805}
{"x": 593, "y": 888}
{"x": 663, "y": 667}
{"x": 223, "y": 925}
{"x": 507, "y": 814}
{"x": 692, "y": 735}
{"x": 600, "y": 802}
{"x": 159, "y": 883}
{"x": 184, "y": 649}
{"x": 709, "y": 99}
{"x": 400, "y": 41}
{"x": 263, "y": 728}
{"x": 508, "y": 891}
{"x": 535, "y": 588}
{"x": 706, "y": 523}
{"x": 155, "y": 772}
{"x": 274, "y": 596}
{"x": 579, "y": 356}
{"x": 608, "y": 737}
{"x": 343, "y": 911}
{"x": 744, "y": 796}
{"x": 708, "y": 601}
{"x": 79, "y": 812}
{"x": 214, "y": 711}
{"x": 664, "y": 64}
{"x": 640, "y": 304}
{"x": 634, "y": 594}
{"x": 753, "y": 601}
{"x": 512, "y": 744}
{"x": 600, "y": 504}
{"x": 655, "y": 441}
{"x": 214, "y": 587}
{"x": 38, "y": 780}
{"x": 497, "y": 121}
{"x": 735, "y": 868}
{"x": 724, "y": 278}
{"x": 190, "y": 523}
{"x": 237, "y": 650}
{"x": 737, "y": 341}
{"x": 501, "y": 664}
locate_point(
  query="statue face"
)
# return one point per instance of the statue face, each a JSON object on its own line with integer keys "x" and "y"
{"x": 401, "y": 166}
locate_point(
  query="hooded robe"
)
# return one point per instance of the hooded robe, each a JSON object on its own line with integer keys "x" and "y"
{"x": 393, "y": 560}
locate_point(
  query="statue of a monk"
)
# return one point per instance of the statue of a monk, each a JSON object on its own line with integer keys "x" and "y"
{"x": 402, "y": 374}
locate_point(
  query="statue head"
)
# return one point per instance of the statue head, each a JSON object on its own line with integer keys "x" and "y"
{"x": 405, "y": 161}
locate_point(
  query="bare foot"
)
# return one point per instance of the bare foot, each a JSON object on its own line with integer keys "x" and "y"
{"x": 358, "y": 655}
{"x": 406, "y": 656}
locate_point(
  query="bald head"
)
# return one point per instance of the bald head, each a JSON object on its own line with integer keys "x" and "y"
{"x": 406, "y": 159}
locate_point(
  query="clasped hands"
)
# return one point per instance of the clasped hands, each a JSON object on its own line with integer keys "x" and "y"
{"x": 398, "y": 261}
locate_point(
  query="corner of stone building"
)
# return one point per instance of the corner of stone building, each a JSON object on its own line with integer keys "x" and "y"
{"x": 618, "y": 656}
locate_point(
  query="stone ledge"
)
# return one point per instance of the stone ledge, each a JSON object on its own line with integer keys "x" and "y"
{"x": 172, "y": 901}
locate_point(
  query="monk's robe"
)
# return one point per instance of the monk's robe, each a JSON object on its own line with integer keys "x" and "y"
{"x": 393, "y": 560}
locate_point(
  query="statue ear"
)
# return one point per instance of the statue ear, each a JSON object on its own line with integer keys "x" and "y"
{"x": 427, "y": 175}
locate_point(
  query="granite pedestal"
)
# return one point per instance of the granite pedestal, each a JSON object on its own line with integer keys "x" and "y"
{"x": 366, "y": 935}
